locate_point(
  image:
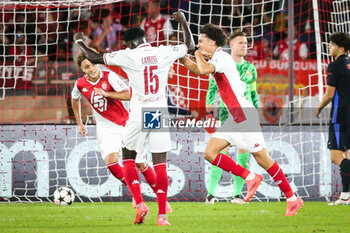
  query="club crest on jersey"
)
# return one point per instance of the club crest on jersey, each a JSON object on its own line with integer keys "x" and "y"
{"x": 104, "y": 85}
{"x": 152, "y": 119}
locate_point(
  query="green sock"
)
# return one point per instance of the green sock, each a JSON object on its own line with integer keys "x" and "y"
{"x": 238, "y": 182}
{"x": 215, "y": 175}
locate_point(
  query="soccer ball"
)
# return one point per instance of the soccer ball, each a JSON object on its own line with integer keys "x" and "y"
{"x": 63, "y": 196}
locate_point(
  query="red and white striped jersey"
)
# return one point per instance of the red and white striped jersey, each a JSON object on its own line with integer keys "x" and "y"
{"x": 105, "y": 110}
{"x": 230, "y": 85}
{"x": 147, "y": 68}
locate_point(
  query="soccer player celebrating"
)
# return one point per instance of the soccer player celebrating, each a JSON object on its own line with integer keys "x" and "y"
{"x": 105, "y": 91}
{"x": 248, "y": 74}
{"x": 243, "y": 120}
{"x": 147, "y": 68}
{"x": 337, "y": 91}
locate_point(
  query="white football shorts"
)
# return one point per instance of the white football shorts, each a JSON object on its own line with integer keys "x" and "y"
{"x": 134, "y": 139}
{"x": 110, "y": 137}
{"x": 245, "y": 135}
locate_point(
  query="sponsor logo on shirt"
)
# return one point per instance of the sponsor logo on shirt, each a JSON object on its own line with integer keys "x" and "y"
{"x": 85, "y": 90}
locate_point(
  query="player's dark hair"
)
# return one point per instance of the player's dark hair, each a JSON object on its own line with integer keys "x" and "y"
{"x": 214, "y": 33}
{"x": 235, "y": 34}
{"x": 81, "y": 57}
{"x": 134, "y": 33}
{"x": 341, "y": 39}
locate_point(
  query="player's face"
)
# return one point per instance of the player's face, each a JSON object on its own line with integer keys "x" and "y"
{"x": 334, "y": 49}
{"x": 204, "y": 43}
{"x": 90, "y": 69}
{"x": 153, "y": 10}
{"x": 239, "y": 46}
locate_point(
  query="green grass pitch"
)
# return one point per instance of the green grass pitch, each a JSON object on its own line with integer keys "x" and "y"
{"x": 186, "y": 217}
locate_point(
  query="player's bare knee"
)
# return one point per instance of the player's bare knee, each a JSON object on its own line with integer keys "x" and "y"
{"x": 159, "y": 157}
{"x": 128, "y": 154}
{"x": 141, "y": 166}
{"x": 210, "y": 155}
{"x": 111, "y": 158}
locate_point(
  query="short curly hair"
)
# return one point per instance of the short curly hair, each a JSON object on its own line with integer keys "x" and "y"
{"x": 134, "y": 33}
{"x": 341, "y": 39}
{"x": 214, "y": 33}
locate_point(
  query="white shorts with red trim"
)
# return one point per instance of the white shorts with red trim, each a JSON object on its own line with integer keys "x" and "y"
{"x": 245, "y": 135}
{"x": 134, "y": 139}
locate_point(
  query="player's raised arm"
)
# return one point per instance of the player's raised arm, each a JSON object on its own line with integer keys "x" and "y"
{"x": 188, "y": 38}
{"x": 92, "y": 56}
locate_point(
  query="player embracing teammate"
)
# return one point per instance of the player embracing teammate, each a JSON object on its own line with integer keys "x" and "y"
{"x": 147, "y": 68}
{"x": 242, "y": 128}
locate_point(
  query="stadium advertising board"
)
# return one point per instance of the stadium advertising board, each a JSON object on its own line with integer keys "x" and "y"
{"x": 36, "y": 160}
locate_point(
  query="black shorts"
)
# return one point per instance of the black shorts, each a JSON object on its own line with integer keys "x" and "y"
{"x": 339, "y": 137}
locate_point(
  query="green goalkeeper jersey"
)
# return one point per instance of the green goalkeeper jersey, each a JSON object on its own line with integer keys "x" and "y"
{"x": 248, "y": 75}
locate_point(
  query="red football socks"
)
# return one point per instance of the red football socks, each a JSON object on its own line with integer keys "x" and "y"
{"x": 132, "y": 179}
{"x": 278, "y": 176}
{"x": 150, "y": 177}
{"x": 117, "y": 171}
{"x": 227, "y": 164}
{"x": 162, "y": 186}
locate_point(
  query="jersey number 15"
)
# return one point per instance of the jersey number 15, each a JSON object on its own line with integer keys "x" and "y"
{"x": 151, "y": 80}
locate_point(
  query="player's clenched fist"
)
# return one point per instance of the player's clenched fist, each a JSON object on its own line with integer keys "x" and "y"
{"x": 79, "y": 36}
{"x": 82, "y": 130}
{"x": 179, "y": 17}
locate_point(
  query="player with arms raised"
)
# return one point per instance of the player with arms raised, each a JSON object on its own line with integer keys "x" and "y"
{"x": 243, "y": 120}
{"x": 147, "y": 68}
{"x": 105, "y": 91}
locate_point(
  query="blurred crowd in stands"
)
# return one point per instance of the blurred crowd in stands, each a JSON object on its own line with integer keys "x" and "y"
{"x": 47, "y": 33}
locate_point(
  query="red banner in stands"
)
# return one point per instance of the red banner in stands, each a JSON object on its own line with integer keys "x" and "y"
{"x": 273, "y": 77}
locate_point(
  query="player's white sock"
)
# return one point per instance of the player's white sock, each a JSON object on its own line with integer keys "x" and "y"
{"x": 250, "y": 176}
{"x": 344, "y": 196}
{"x": 292, "y": 198}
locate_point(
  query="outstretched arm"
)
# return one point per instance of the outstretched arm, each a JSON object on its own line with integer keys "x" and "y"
{"x": 92, "y": 56}
{"x": 180, "y": 17}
